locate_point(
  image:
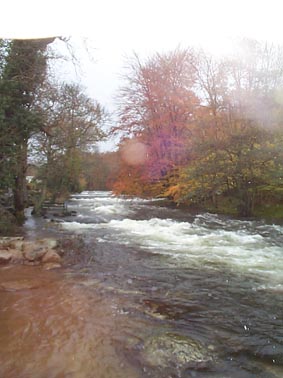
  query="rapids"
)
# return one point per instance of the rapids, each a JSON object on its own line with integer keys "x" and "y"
{"x": 164, "y": 294}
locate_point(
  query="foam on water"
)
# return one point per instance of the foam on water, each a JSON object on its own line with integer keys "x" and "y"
{"x": 76, "y": 226}
{"x": 190, "y": 243}
{"x": 104, "y": 203}
{"x": 108, "y": 197}
{"x": 207, "y": 240}
{"x": 111, "y": 209}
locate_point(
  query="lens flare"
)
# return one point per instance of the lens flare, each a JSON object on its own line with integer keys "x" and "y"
{"x": 134, "y": 152}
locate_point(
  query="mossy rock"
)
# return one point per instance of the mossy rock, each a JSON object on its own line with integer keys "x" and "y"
{"x": 171, "y": 349}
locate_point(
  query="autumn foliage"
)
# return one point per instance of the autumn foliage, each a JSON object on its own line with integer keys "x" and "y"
{"x": 202, "y": 131}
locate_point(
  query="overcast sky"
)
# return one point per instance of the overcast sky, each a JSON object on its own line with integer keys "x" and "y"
{"x": 114, "y": 29}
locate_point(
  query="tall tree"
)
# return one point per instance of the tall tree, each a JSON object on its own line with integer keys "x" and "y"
{"x": 157, "y": 108}
{"x": 23, "y": 71}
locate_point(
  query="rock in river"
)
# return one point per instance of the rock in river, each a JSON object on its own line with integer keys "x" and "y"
{"x": 51, "y": 257}
{"x": 171, "y": 349}
{"x": 16, "y": 250}
{"x": 5, "y": 257}
{"x": 34, "y": 253}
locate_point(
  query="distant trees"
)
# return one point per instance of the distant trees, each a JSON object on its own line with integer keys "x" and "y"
{"x": 72, "y": 126}
{"x": 99, "y": 170}
{"x": 213, "y": 128}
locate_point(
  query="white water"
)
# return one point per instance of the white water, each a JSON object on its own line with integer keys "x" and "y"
{"x": 191, "y": 244}
{"x": 205, "y": 240}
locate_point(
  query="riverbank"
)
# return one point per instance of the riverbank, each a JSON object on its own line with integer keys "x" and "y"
{"x": 269, "y": 212}
{"x": 17, "y": 251}
{"x": 47, "y": 253}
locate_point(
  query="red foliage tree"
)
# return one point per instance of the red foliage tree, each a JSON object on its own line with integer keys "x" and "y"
{"x": 157, "y": 107}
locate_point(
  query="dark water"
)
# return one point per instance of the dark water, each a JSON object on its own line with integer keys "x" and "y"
{"x": 162, "y": 293}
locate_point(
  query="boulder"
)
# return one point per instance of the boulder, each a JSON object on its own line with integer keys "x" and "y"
{"x": 5, "y": 257}
{"x": 17, "y": 255}
{"x": 11, "y": 242}
{"x": 17, "y": 250}
{"x": 169, "y": 349}
{"x": 51, "y": 257}
{"x": 49, "y": 243}
{"x": 33, "y": 252}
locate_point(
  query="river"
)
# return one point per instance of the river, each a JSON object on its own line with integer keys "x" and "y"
{"x": 162, "y": 293}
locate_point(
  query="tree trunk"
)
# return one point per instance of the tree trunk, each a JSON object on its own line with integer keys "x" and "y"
{"x": 246, "y": 206}
{"x": 37, "y": 210}
{"x": 20, "y": 188}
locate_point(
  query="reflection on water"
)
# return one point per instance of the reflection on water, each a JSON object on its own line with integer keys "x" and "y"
{"x": 166, "y": 294}
{"x": 56, "y": 329}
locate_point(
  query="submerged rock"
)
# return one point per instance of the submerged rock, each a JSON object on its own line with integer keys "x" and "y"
{"x": 51, "y": 266}
{"x": 173, "y": 349}
{"x": 17, "y": 285}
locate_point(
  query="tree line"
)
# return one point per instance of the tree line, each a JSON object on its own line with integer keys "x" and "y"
{"x": 197, "y": 130}
{"x": 208, "y": 131}
{"x": 48, "y": 122}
